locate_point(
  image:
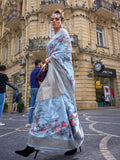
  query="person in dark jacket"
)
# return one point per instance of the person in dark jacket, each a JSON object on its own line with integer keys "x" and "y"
{"x": 15, "y": 103}
{"x": 3, "y": 79}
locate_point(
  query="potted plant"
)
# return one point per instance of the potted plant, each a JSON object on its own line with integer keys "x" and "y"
{"x": 20, "y": 106}
{"x": 5, "y": 106}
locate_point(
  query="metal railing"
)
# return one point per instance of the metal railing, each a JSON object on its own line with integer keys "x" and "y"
{"x": 102, "y": 3}
{"x": 38, "y": 43}
{"x": 13, "y": 13}
{"x": 51, "y": 1}
{"x": 41, "y": 42}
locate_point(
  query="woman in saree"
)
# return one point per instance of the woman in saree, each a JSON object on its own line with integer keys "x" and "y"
{"x": 56, "y": 125}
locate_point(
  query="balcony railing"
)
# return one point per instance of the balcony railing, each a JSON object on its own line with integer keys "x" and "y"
{"x": 38, "y": 43}
{"x": 13, "y": 14}
{"x": 41, "y": 42}
{"x": 104, "y": 9}
{"x": 48, "y": 6}
{"x": 51, "y": 1}
{"x": 13, "y": 19}
{"x": 104, "y": 4}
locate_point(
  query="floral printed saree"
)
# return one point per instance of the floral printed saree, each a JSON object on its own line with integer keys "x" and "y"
{"x": 56, "y": 125}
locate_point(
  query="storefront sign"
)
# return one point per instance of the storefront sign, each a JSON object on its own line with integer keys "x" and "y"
{"x": 106, "y": 72}
{"x": 98, "y": 85}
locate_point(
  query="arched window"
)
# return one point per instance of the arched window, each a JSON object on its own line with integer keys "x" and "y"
{"x": 6, "y": 53}
{"x": 19, "y": 43}
{"x": 100, "y": 37}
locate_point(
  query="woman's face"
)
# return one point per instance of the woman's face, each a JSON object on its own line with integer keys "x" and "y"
{"x": 56, "y": 21}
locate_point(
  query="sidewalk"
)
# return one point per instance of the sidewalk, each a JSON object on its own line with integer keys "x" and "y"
{"x": 102, "y": 136}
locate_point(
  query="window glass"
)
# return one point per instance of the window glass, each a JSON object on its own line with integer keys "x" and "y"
{"x": 101, "y": 39}
{"x": 6, "y": 53}
{"x": 21, "y": 8}
{"x": 118, "y": 14}
{"x": 19, "y": 44}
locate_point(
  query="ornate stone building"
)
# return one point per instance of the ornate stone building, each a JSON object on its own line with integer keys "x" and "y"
{"x": 94, "y": 28}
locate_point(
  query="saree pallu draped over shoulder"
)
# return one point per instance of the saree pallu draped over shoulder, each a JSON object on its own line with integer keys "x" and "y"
{"x": 56, "y": 125}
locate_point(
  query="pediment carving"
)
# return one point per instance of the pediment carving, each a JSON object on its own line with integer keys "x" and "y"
{"x": 99, "y": 20}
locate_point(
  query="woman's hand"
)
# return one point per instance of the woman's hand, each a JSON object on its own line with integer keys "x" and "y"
{"x": 47, "y": 60}
{"x": 45, "y": 66}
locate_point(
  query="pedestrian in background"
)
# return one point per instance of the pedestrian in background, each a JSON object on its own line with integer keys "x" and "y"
{"x": 56, "y": 125}
{"x": 34, "y": 84}
{"x": 15, "y": 103}
{"x": 3, "y": 79}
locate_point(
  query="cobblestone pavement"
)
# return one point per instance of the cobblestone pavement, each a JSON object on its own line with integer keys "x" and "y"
{"x": 102, "y": 136}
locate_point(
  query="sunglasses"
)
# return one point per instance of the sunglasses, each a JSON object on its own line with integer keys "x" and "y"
{"x": 56, "y": 19}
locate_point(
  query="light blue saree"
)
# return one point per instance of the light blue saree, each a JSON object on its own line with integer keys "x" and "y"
{"x": 56, "y": 125}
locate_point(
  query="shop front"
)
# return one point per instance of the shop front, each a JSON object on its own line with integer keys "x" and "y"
{"x": 105, "y": 91}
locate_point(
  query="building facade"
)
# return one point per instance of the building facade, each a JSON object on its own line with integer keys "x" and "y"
{"x": 94, "y": 28}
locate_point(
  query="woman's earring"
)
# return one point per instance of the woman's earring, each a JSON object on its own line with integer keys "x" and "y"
{"x": 61, "y": 25}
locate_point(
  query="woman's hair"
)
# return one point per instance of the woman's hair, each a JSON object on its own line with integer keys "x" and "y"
{"x": 60, "y": 12}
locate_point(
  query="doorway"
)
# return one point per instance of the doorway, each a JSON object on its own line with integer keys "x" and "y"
{"x": 105, "y": 91}
{"x": 18, "y": 83}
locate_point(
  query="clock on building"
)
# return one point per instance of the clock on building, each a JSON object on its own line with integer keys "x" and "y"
{"x": 99, "y": 66}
